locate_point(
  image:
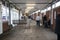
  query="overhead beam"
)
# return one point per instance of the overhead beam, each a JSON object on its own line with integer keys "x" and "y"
{"x": 9, "y": 4}
{"x": 51, "y": 3}
{"x": 30, "y": 3}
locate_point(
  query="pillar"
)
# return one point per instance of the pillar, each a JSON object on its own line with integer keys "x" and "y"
{"x": 1, "y": 27}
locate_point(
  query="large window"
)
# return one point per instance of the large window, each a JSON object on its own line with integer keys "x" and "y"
{"x": 14, "y": 15}
{"x": 5, "y": 13}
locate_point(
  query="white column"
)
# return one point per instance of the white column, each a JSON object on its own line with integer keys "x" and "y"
{"x": 52, "y": 17}
{"x": 1, "y": 29}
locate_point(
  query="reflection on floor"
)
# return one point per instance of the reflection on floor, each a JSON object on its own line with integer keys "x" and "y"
{"x": 32, "y": 33}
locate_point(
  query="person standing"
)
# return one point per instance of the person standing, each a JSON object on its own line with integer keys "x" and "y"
{"x": 57, "y": 28}
{"x": 29, "y": 21}
{"x": 45, "y": 21}
{"x": 38, "y": 19}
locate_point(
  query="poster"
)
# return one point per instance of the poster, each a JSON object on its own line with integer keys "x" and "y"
{"x": 4, "y": 18}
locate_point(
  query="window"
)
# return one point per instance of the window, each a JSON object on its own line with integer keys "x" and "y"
{"x": 4, "y": 13}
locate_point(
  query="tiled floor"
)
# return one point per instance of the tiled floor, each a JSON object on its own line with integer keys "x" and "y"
{"x": 32, "y": 33}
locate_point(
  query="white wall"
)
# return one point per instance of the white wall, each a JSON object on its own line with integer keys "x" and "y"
{"x": 52, "y": 17}
{"x": 1, "y": 30}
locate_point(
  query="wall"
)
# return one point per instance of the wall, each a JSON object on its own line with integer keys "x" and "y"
{"x": 55, "y": 11}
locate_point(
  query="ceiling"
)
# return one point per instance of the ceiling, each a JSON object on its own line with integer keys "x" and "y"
{"x": 29, "y": 6}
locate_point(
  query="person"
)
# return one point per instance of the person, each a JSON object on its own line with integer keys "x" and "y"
{"x": 23, "y": 17}
{"x": 57, "y": 28}
{"x": 38, "y": 20}
{"x": 45, "y": 21}
{"x": 49, "y": 23}
{"x": 29, "y": 21}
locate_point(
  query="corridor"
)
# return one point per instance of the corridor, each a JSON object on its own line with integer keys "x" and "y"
{"x": 19, "y": 19}
{"x": 32, "y": 33}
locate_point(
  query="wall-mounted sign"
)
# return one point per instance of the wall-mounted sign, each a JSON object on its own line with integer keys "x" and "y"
{"x": 4, "y": 18}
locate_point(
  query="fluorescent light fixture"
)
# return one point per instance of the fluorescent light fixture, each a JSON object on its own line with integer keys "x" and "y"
{"x": 29, "y": 7}
{"x": 37, "y": 11}
{"x": 43, "y": 11}
{"x": 53, "y": 6}
{"x": 49, "y": 8}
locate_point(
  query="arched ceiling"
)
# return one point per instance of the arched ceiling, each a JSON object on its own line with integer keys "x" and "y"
{"x": 29, "y": 6}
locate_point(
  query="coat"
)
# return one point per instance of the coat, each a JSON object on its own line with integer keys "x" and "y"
{"x": 57, "y": 28}
{"x": 44, "y": 19}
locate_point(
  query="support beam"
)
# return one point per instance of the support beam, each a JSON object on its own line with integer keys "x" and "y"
{"x": 50, "y": 3}
{"x": 54, "y": 1}
{"x": 51, "y": 17}
{"x": 19, "y": 15}
{"x": 9, "y": 15}
{"x": 30, "y": 3}
{"x": 10, "y": 4}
